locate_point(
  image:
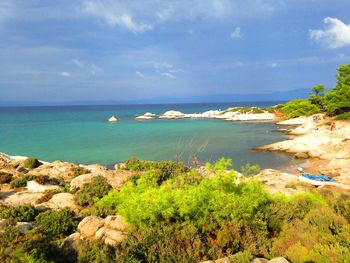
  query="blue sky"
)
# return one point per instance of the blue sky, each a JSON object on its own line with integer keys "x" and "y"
{"x": 122, "y": 50}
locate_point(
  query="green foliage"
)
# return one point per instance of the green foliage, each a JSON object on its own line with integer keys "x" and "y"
{"x": 5, "y": 178}
{"x": 300, "y": 107}
{"x": 318, "y": 89}
{"x": 31, "y": 163}
{"x": 344, "y": 116}
{"x": 249, "y": 170}
{"x": 47, "y": 195}
{"x": 95, "y": 252}
{"x": 23, "y": 213}
{"x": 337, "y": 100}
{"x": 77, "y": 170}
{"x": 242, "y": 257}
{"x": 56, "y": 223}
{"x": 22, "y": 181}
{"x": 88, "y": 192}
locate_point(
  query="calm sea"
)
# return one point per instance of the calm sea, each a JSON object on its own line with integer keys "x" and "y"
{"x": 82, "y": 134}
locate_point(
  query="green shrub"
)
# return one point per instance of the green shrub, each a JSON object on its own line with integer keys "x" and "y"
{"x": 31, "y": 163}
{"x": 88, "y": 192}
{"x": 300, "y": 107}
{"x": 22, "y": 213}
{"x": 77, "y": 170}
{"x": 5, "y": 178}
{"x": 242, "y": 257}
{"x": 95, "y": 252}
{"x": 56, "y": 223}
{"x": 22, "y": 181}
{"x": 249, "y": 170}
{"x": 343, "y": 116}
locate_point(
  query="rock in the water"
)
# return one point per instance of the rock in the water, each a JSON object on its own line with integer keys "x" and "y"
{"x": 113, "y": 119}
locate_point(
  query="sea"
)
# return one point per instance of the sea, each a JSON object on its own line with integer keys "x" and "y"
{"x": 82, "y": 134}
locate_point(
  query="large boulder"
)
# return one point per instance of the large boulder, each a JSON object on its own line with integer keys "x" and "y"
{"x": 21, "y": 198}
{"x": 80, "y": 180}
{"x": 116, "y": 222}
{"x": 89, "y": 226}
{"x": 60, "y": 201}
{"x": 35, "y": 187}
{"x": 279, "y": 260}
{"x": 56, "y": 169}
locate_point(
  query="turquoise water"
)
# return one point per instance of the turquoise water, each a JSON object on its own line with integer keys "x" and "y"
{"x": 81, "y": 134}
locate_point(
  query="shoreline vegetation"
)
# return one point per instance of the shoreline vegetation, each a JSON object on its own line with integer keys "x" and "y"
{"x": 144, "y": 211}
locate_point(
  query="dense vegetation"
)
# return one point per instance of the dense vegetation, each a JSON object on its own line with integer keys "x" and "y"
{"x": 178, "y": 214}
{"x": 335, "y": 101}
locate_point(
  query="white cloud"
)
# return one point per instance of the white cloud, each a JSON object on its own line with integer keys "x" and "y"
{"x": 168, "y": 75}
{"x": 65, "y": 74}
{"x": 335, "y": 35}
{"x": 140, "y": 74}
{"x": 162, "y": 65}
{"x": 236, "y": 33}
{"x": 78, "y": 62}
{"x": 93, "y": 69}
{"x": 274, "y": 65}
{"x": 114, "y": 16}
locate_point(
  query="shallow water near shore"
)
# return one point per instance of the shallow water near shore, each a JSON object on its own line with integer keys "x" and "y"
{"x": 81, "y": 134}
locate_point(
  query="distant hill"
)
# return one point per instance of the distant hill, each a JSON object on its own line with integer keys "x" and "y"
{"x": 252, "y": 97}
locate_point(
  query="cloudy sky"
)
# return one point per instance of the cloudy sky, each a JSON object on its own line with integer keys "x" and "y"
{"x": 121, "y": 50}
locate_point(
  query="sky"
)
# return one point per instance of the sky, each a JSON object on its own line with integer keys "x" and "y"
{"x": 126, "y": 50}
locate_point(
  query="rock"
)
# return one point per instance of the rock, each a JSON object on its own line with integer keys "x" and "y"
{"x": 71, "y": 243}
{"x": 279, "y": 260}
{"x": 259, "y": 260}
{"x": 60, "y": 201}
{"x": 252, "y": 117}
{"x": 35, "y": 187}
{"x": 23, "y": 227}
{"x": 296, "y": 121}
{"x": 144, "y": 117}
{"x": 116, "y": 222}
{"x": 172, "y": 115}
{"x": 56, "y": 169}
{"x": 223, "y": 260}
{"x": 113, "y": 119}
{"x": 81, "y": 180}
{"x": 301, "y": 155}
{"x": 21, "y": 198}
{"x": 113, "y": 236}
{"x": 89, "y": 226}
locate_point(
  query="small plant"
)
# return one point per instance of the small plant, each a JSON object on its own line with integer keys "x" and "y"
{"x": 96, "y": 189}
{"x": 76, "y": 171}
{"x": 22, "y": 181}
{"x": 249, "y": 170}
{"x": 5, "y": 178}
{"x": 31, "y": 163}
{"x": 56, "y": 223}
{"x": 241, "y": 257}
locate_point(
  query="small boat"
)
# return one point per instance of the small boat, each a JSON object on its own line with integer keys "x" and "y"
{"x": 317, "y": 180}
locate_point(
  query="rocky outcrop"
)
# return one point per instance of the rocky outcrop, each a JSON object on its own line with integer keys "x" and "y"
{"x": 57, "y": 169}
{"x": 113, "y": 119}
{"x": 253, "y": 117}
{"x": 35, "y": 187}
{"x": 172, "y": 115}
{"x": 277, "y": 181}
{"x": 60, "y": 201}
{"x": 146, "y": 116}
{"x": 21, "y": 198}
{"x": 296, "y": 121}
{"x": 81, "y": 180}
{"x": 110, "y": 230}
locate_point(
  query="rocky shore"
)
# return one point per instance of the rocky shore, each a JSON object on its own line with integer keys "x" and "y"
{"x": 323, "y": 144}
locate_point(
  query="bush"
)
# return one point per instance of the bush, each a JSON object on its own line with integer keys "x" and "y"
{"x": 5, "y": 178}
{"x": 48, "y": 194}
{"x": 23, "y": 213}
{"x": 95, "y": 252}
{"x": 343, "y": 116}
{"x": 57, "y": 223}
{"x": 88, "y": 192}
{"x": 22, "y": 181}
{"x": 249, "y": 170}
{"x": 242, "y": 257}
{"x": 31, "y": 163}
{"x": 300, "y": 107}
{"x": 77, "y": 170}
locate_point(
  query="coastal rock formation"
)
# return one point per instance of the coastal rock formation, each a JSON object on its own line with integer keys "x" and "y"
{"x": 172, "y": 115}
{"x": 296, "y": 121}
{"x": 146, "y": 116}
{"x": 276, "y": 181}
{"x": 113, "y": 119}
{"x": 35, "y": 187}
{"x": 110, "y": 230}
{"x": 56, "y": 169}
{"x": 81, "y": 180}
{"x": 21, "y": 198}
{"x": 252, "y": 117}
{"x": 60, "y": 201}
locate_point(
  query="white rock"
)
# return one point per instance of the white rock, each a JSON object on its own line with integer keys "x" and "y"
{"x": 113, "y": 119}
{"x": 35, "y": 187}
{"x": 252, "y": 117}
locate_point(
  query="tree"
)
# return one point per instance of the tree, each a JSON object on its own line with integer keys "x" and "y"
{"x": 337, "y": 100}
{"x": 318, "y": 89}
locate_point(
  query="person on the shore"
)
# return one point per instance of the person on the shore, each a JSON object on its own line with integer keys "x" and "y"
{"x": 332, "y": 126}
